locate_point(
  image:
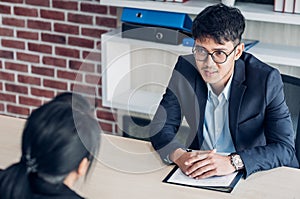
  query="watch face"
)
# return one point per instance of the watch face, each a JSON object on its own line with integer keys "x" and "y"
{"x": 237, "y": 162}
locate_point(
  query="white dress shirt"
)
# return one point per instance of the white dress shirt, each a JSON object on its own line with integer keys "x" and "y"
{"x": 216, "y": 131}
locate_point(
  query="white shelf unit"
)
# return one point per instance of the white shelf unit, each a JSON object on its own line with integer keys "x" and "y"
{"x": 251, "y": 11}
{"x": 135, "y": 73}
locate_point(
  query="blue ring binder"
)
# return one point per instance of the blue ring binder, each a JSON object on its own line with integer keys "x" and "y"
{"x": 173, "y": 20}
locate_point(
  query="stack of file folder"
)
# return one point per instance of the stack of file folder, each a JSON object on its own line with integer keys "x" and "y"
{"x": 155, "y": 26}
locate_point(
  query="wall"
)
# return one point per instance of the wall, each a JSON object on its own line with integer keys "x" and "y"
{"x": 51, "y": 46}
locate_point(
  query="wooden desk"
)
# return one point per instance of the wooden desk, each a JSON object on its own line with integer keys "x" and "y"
{"x": 129, "y": 168}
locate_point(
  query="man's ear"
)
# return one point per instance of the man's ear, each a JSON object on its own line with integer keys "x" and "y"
{"x": 83, "y": 166}
{"x": 239, "y": 51}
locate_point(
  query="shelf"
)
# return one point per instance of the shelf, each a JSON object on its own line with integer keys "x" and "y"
{"x": 269, "y": 53}
{"x": 251, "y": 11}
{"x": 129, "y": 66}
{"x": 135, "y": 73}
{"x": 277, "y": 54}
{"x": 137, "y": 101}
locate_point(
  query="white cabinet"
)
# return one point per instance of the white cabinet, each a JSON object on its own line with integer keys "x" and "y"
{"x": 251, "y": 11}
{"x": 135, "y": 73}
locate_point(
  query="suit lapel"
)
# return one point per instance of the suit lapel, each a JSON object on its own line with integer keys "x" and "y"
{"x": 201, "y": 93}
{"x": 236, "y": 96}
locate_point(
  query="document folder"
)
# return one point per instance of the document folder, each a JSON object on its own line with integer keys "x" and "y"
{"x": 211, "y": 183}
{"x": 152, "y": 33}
{"x": 173, "y": 20}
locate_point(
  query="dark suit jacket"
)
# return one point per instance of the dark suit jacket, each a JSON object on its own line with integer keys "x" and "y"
{"x": 259, "y": 119}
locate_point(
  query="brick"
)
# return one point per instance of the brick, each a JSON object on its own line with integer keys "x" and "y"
{"x": 42, "y": 71}
{"x": 5, "y": 9}
{"x": 113, "y": 11}
{"x": 13, "y": 44}
{"x": 59, "y": 39}
{"x": 7, "y": 97}
{"x": 98, "y": 46}
{"x": 40, "y": 48}
{"x": 6, "y": 54}
{"x": 55, "y": 15}
{"x": 27, "y": 35}
{"x": 100, "y": 91}
{"x": 63, "y": 5}
{"x": 67, "y": 52}
{"x": 106, "y": 126}
{"x": 42, "y": 92}
{"x": 92, "y": 8}
{"x": 7, "y": 76}
{"x": 91, "y": 90}
{"x": 98, "y": 103}
{"x": 44, "y": 3}
{"x": 1, "y": 107}
{"x": 17, "y": 110}
{"x": 106, "y": 115}
{"x": 87, "y": 43}
{"x": 65, "y": 28}
{"x": 39, "y": 25}
{"x": 12, "y": 1}
{"x": 28, "y": 57}
{"x": 16, "y": 88}
{"x": 29, "y": 80}
{"x": 30, "y": 12}
{"x": 6, "y": 32}
{"x": 30, "y": 101}
{"x": 13, "y": 22}
{"x": 92, "y": 79}
{"x": 16, "y": 67}
{"x": 92, "y": 32}
{"x": 78, "y": 18}
{"x": 92, "y": 56}
{"x": 82, "y": 66}
{"x": 107, "y": 22}
{"x": 98, "y": 69}
{"x": 69, "y": 75}
{"x": 54, "y": 61}
{"x": 55, "y": 84}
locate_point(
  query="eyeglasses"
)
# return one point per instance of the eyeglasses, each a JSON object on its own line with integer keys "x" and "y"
{"x": 219, "y": 56}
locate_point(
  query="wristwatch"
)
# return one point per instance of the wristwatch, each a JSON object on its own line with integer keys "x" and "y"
{"x": 236, "y": 161}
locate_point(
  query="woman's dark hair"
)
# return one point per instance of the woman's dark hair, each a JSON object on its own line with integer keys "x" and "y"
{"x": 220, "y": 23}
{"x": 56, "y": 138}
{"x": 76, "y": 100}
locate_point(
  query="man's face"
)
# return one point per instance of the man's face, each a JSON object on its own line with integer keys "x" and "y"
{"x": 217, "y": 74}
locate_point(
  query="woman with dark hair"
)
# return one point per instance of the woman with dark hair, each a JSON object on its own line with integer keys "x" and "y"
{"x": 58, "y": 146}
{"x": 76, "y": 100}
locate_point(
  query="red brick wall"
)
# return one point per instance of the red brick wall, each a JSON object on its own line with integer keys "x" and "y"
{"x": 51, "y": 46}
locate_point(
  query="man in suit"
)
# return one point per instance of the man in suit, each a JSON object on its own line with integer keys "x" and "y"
{"x": 233, "y": 103}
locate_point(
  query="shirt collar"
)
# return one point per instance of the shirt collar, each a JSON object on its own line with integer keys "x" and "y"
{"x": 225, "y": 92}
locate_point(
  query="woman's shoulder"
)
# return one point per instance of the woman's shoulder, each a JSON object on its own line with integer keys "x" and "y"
{"x": 41, "y": 189}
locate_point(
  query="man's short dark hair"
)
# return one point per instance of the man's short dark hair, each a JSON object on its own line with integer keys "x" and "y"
{"x": 220, "y": 23}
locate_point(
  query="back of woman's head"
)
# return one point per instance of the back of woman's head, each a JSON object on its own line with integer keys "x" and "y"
{"x": 76, "y": 100}
{"x": 55, "y": 140}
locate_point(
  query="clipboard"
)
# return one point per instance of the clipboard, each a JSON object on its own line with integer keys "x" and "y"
{"x": 227, "y": 189}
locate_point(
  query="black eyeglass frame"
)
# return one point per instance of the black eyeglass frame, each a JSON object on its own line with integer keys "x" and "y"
{"x": 212, "y": 54}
